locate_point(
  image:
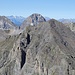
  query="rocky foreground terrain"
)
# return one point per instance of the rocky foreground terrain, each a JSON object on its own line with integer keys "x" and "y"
{"x": 44, "y": 49}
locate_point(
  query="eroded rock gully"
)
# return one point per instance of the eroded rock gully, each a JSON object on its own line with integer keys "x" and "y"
{"x": 25, "y": 41}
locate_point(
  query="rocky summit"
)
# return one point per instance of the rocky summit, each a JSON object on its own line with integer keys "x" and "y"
{"x": 44, "y": 49}
{"x": 33, "y": 19}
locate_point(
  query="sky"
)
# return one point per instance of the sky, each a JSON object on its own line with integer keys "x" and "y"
{"x": 49, "y": 8}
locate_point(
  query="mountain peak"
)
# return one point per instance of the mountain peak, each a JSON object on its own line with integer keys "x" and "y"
{"x": 33, "y": 19}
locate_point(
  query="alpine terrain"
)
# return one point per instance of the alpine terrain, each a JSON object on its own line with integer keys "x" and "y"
{"x": 40, "y": 47}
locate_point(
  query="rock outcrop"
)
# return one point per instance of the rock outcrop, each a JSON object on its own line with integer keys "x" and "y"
{"x": 45, "y": 49}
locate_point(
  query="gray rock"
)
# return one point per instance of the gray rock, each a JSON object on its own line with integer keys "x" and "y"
{"x": 5, "y": 23}
{"x": 33, "y": 19}
{"x": 45, "y": 49}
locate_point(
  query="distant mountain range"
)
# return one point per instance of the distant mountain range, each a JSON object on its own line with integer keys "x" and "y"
{"x": 18, "y": 20}
{"x": 63, "y": 20}
{"x": 47, "y": 18}
{"x": 67, "y": 20}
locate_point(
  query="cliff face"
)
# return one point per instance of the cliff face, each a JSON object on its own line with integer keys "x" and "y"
{"x": 45, "y": 49}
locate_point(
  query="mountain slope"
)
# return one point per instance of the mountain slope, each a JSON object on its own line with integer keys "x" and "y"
{"x": 45, "y": 49}
{"x": 5, "y": 23}
{"x": 51, "y": 50}
{"x": 70, "y": 23}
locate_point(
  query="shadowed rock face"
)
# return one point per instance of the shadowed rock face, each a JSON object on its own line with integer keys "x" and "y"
{"x": 28, "y": 39}
{"x": 33, "y": 19}
{"x": 44, "y": 49}
{"x": 23, "y": 58}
